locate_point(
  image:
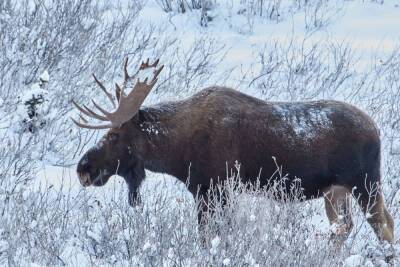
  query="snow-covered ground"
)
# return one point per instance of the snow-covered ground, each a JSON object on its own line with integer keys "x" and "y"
{"x": 346, "y": 50}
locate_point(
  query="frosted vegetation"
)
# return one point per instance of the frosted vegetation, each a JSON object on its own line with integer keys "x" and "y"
{"x": 275, "y": 50}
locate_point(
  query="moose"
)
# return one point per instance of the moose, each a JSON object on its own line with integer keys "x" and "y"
{"x": 331, "y": 146}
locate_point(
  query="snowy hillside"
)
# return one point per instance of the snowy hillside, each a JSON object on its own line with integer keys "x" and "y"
{"x": 287, "y": 50}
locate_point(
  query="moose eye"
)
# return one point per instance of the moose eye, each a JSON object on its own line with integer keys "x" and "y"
{"x": 113, "y": 137}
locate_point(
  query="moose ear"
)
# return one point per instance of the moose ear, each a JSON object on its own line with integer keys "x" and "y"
{"x": 136, "y": 119}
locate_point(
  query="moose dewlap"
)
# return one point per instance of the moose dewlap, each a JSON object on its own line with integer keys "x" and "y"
{"x": 333, "y": 147}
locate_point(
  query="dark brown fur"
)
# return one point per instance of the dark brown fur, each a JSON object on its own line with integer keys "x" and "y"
{"x": 324, "y": 143}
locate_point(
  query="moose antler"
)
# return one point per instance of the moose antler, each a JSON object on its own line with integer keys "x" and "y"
{"x": 128, "y": 105}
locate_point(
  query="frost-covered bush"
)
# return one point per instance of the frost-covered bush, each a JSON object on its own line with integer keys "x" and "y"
{"x": 50, "y": 226}
{"x": 33, "y": 107}
{"x": 309, "y": 70}
{"x": 378, "y": 92}
{"x": 316, "y": 15}
{"x": 179, "y": 5}
{"x": 66, "y": 38}
{"x": 17, "y": 166}
{"x": 269, "y": 9}
{"x": 320, "y": 13}
{"x": 72, "y": 39}
{"x": 183, "y": 6}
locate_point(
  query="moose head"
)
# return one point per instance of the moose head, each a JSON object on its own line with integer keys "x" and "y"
{"x": 117, "y": 152}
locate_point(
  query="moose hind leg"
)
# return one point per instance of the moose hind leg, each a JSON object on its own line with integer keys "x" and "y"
{"x": 389, "y": 220}
{"x": 338, "y": 209}
{"x": 373, "y": 206}
{"x": 381, "y": 221}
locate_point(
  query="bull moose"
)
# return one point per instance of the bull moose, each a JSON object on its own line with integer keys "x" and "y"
{"x": 333, "y": 147}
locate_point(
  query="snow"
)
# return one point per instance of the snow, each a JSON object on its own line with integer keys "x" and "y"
{"x": 150, "y": 128}
{"x": 35, "y": 92}
{"x": 146, "y": 246}
{"x": 369, "y": 28}
{"x": 305, "y": 121}
{"x": 354, "y": 261}
{"x": 226, "y": 262}
{"x": 57, "y": 177}
{"x": 66, "y": 178}
{"x": 44, "y": 77}
{"x": 357, "y": 25}
{"x": 215, "y": 242}
{"x": 75, "y": 256}
{"x": 147, "y": 73}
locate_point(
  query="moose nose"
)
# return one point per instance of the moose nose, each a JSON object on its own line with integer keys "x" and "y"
{"x": 83, "y": 167}
{"x": 84, "y": 178}
{"x": 83, "y": 170}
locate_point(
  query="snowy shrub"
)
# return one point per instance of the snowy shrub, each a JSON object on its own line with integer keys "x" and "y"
{"x": 53, "y": 226}
{"x": 316, "y": 14}
{"x": 66, "y": 38}
{"x": 304, "y": 71}
{"x": 183, "y": 6}
{"x": 50, "y": 225}
{"x": 179, "y": 6}
{"x": 269, "y": 9}
{"x": 33, "y": 107}
{"x": 17, "y": 167}
{"x": 71, "y": 40}
{"x": 319, "y": 14}
{"x": 378, "y": 93}
{"x": 191, "y": 68}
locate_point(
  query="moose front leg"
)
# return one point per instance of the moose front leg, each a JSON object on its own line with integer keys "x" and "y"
{"x": 203, "y": 208}
{"x": 208, "y": 205}
{"x": 133, "y": 196}
{"x": 134, "y": 179}
{"x": 208, "y": 202}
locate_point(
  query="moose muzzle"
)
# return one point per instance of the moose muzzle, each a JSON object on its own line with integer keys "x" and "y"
{"x": 84, "y": 178}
